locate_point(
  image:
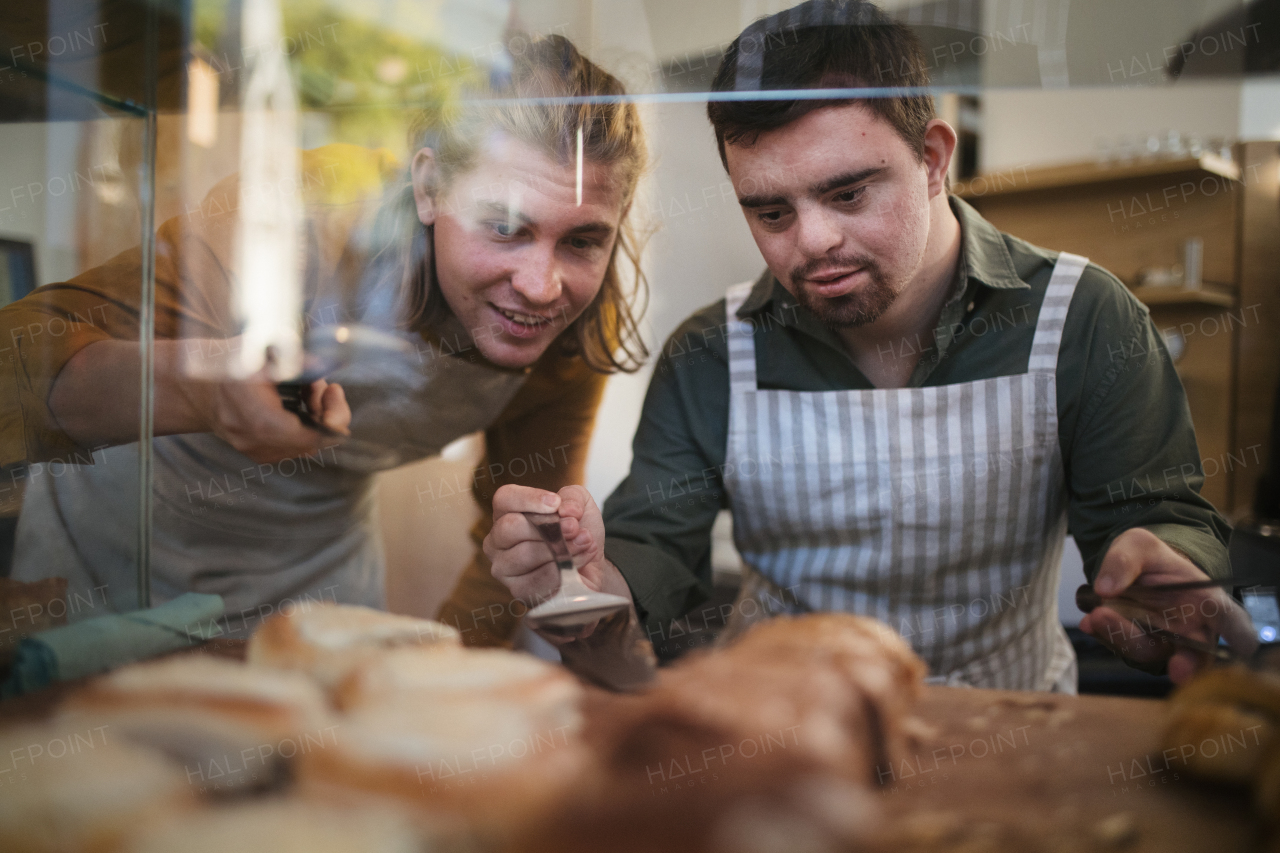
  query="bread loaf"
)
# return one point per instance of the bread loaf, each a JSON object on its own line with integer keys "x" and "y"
{"x": 782, "y": 735}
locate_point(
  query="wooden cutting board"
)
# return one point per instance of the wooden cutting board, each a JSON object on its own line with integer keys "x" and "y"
{"x": 1007, "y": 771}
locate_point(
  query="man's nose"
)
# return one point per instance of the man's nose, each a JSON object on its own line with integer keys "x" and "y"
{"x": 817, "y": 233}
{"x": 537, "y": 278}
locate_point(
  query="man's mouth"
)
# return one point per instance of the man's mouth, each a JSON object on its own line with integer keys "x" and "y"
{"x": 833, "y": 283}
{"x": 522, "y": 324}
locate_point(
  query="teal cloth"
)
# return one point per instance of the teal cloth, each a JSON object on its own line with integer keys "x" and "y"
{"x": 106, "y": 642}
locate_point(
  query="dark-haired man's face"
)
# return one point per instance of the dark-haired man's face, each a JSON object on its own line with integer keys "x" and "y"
{"x": 839, "y": 205}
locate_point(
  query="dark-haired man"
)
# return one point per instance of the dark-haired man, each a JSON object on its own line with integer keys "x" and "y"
{"x": 880, "y": 454}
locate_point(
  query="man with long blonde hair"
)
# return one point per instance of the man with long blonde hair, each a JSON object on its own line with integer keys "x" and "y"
{"x": 492, "y": 265}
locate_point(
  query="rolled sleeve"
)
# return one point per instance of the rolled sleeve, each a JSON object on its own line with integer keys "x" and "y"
{"x": 45, "y": 331}
{"x": 663, "y": 588}
{"x": 51, "y": 325}
{"x": 1202, "y": 547}
{"x": 194, "y": 263}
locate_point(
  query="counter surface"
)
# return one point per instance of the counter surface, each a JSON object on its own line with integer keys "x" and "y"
{"x": 1085, "y": 771}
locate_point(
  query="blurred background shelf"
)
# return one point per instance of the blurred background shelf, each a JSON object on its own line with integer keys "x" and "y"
{"x": 1184, "y": 296}
{"x": 1137, "y": 217}
{"x": 1078, "y": 174}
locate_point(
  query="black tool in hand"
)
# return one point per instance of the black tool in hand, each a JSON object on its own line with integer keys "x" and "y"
{"x": 294, "y": 397}
{"x": 1130, "y": 605}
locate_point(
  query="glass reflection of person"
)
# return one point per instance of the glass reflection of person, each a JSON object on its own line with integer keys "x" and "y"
{"x": 496, "y": 259}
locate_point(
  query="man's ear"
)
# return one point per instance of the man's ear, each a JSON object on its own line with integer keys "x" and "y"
{"x": 939, "y": 146}
{"x": 423, "y": 174}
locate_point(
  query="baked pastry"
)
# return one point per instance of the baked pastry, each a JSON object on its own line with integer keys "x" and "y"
{"x": 835, "y": 686}
{"x": 267, "y": 700}
{"x": 327, "y": 641}
{"x": 1218, "y": 742}
{"x": 80, "y": 789}
{"x": 482, "y": 761}
{"x": 229, "y": 725}
{"x": 1225, "y": 725}
{"x": 870, "y": 653}
{"x": 280, "y": 826}
{"x": 778, "y": 741}
{"x": 546, "y": 692}
{"x": 797, "y": 714}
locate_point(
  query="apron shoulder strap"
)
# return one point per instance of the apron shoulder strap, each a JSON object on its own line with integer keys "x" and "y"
{"x": 1053, "y": 313}
{"x": 742, "y": 342}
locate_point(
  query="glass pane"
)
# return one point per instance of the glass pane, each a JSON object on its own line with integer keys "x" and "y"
{"x": 289, "y": 289}
{"x": 291, "y": 244}
{"x": 78, "y": 87}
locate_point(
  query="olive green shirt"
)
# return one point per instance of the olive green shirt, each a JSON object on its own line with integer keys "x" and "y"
{"x": 1128, "y": 446}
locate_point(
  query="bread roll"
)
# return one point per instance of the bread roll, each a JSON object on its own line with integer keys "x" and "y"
{"x": 1218, "y": 742}
{"x": 1225, "y": 725}
{"x": 74, "y": 790}
{"x": 485, "y": 762}
{"x": 546, "y": 692}
{"x": 327, "y": 641}
{"x": 230, "y": 726}
{"x": 268, "y": 700}
{"x": 279, "y": 826}
{"x": 819, "y": 694}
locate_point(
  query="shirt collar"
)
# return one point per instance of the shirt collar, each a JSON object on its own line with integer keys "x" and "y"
{"x": 984, "y": 251}
{"x": 984, "y": 258}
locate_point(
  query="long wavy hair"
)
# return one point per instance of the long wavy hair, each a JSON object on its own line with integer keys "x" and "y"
{"x": 551, "y": 91}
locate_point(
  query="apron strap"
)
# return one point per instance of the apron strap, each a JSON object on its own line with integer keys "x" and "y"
{"x": 1053, "y": 313}
{"x": 742, "y": 342}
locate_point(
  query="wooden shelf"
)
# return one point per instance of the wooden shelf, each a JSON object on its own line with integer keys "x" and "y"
{"x": 1183, "y": 296}
{"x": 1137, "y": 216}
{"x": 1078, "y": 174}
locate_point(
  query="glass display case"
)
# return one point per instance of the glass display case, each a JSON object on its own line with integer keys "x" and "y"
{"x": 212, "y": 205}
{"x": 907, "y": 322}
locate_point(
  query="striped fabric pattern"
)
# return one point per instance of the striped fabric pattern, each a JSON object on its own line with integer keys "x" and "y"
{"x": 938, "y": 510}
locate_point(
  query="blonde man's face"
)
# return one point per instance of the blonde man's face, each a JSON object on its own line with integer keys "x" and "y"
{"x": 522, "y": 244}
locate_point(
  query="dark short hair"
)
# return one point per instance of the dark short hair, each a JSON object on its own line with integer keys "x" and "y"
{"x": 822, "y": 44}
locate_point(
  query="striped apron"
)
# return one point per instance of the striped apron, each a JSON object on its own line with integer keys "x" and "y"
{"x": 940, "y": 511}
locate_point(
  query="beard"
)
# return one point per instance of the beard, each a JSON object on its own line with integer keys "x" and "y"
{"x": 851, "y": 310}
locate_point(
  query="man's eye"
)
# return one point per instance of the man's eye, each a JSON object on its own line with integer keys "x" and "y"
{"x": 770, "y": 217}
{"x": 850, "y": 195}
{"x": 503, "y": 229}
